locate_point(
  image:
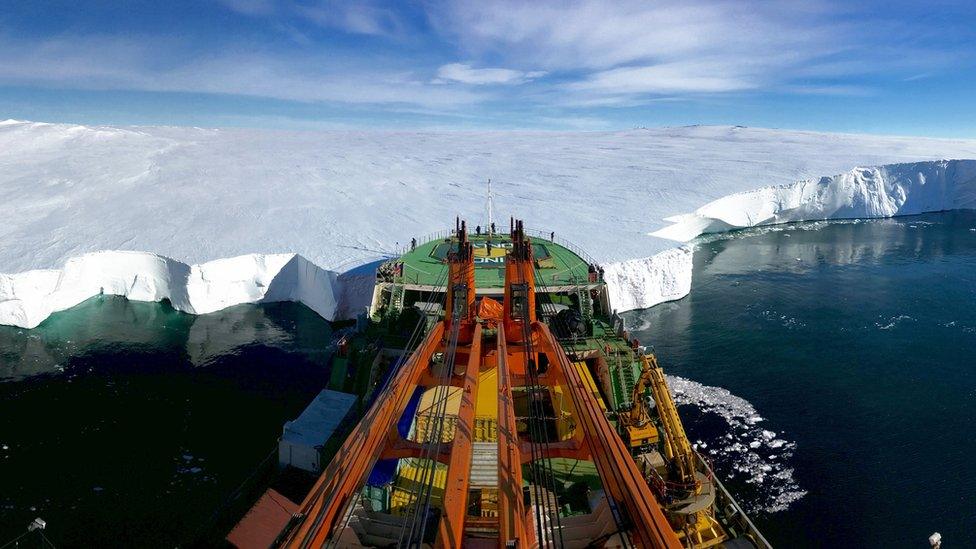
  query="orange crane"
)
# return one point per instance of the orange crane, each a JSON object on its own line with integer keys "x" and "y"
{"x": 376, "y": 436}
{"x": 519, "y": 343}
{"x": 618, "y": 472}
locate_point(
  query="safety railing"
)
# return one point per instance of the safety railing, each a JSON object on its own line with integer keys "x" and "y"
{"x": 569, "y": 245}
{"x": 555, "y": 278}
{"x": 565, "y": 243}
{"x": 436, "y": 235}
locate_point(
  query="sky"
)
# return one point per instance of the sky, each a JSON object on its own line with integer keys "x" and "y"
{"x": 895, "y": 67}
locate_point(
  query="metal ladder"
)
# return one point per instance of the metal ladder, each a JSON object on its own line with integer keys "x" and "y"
{"x": 585, "y": 301}
{"x": 626, "y": 378}
{"x": 397, "y": 292}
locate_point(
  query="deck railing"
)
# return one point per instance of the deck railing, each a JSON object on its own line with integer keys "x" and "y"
{"x": 569, "y": 245}
{"x": 554, "y": 278}
{"x": 565, "y": 243}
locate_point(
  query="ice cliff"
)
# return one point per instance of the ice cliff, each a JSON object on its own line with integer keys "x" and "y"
{"x": 27, "y": 298}
{"x": 862, "y": 193}
{"x": 338, "y": 200}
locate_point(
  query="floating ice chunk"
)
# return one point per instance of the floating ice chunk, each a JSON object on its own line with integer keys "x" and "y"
{"x": 894, "y": 321}
{"x": 735, "y": 452}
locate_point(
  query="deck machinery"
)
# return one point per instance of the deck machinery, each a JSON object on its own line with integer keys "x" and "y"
{"x": 508, "y": 407}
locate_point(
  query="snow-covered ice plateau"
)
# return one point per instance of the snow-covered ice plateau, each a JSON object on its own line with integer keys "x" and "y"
{"x": 210, "y": 218}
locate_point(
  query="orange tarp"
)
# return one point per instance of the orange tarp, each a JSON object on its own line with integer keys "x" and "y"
{"x": 490, "y": 310}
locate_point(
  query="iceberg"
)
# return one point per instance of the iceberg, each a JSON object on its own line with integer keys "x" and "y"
{"x": 27, "y": 298}
{"x": 861, "y": 193}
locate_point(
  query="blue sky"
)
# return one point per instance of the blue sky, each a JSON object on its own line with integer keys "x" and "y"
{"x": 886, "y": 67}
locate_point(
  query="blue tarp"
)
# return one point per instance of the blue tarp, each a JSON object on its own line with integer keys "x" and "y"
{"x": 382, "y": 473}
{"x": 403, "y": 426}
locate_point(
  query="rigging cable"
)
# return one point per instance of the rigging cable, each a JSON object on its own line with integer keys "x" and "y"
{"x": 544, "y": 480}
{"x": 618, "y": 519}
{"x": 435, "y": 427}
{"x": 432, "y": 450}
{"x": 412, "y": 341}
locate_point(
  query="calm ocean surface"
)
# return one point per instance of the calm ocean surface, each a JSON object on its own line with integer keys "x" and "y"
{"x": 856, "y": 344}
{"x": 127, "y": 423}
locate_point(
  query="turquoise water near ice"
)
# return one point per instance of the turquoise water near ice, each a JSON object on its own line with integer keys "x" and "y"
{"x": 128, "y": 424}
{"x": 856, "y": 344}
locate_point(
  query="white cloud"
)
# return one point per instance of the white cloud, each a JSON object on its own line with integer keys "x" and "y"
{"x": 353, "y": 17}
{"x": 595, "y": 34}
{"x": 250, "y": 7}
{"x": 465, "y": 74}
{"x": 360, "y": 17}
{"x": 132, "y": 64}
{"x": 666, "y": 78}
{"x": 628, "y": 48}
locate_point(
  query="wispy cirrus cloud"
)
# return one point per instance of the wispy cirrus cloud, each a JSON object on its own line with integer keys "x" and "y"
{"x": 633, "y": 48}
{"x": 250, "y": 7}
{"x": 108, "y": 63}
{"x": 354, "y": 17}
{"x": 365, "y": 17}
{"x": 667, "y": 78}
{"x": 466, "y": 74}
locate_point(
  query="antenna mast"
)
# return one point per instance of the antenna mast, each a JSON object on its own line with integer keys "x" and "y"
{"x": 490, "y": 197}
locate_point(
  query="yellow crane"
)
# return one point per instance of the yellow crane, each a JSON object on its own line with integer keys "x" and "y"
{"x": 677, "y": 448}
{"x": 690, "y": 493}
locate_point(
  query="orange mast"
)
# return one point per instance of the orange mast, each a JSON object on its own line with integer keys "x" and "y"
{"x": 460, "y": 303}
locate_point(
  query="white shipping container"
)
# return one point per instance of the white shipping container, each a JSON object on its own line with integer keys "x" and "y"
{"x": 303, "y": 438}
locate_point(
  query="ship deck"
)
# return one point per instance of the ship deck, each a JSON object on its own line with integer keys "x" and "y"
{"x": 556, "y": 263}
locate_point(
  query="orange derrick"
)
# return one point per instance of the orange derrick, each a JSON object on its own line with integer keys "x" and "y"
{"x": 519, "y": 341}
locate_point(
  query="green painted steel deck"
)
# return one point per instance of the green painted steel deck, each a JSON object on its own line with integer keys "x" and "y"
{"x": 556, "y": 264}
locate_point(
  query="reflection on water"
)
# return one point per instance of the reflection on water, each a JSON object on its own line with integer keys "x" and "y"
{"x": 108, "y": 322}
{"x": 792, "y": 249}
{"x": 128, "y": 423}
{"x": 853, "y": 342}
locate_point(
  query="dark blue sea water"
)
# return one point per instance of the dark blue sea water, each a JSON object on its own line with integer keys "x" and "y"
{"x": 125, "y": 423}
{"x": 855, "y": 342}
